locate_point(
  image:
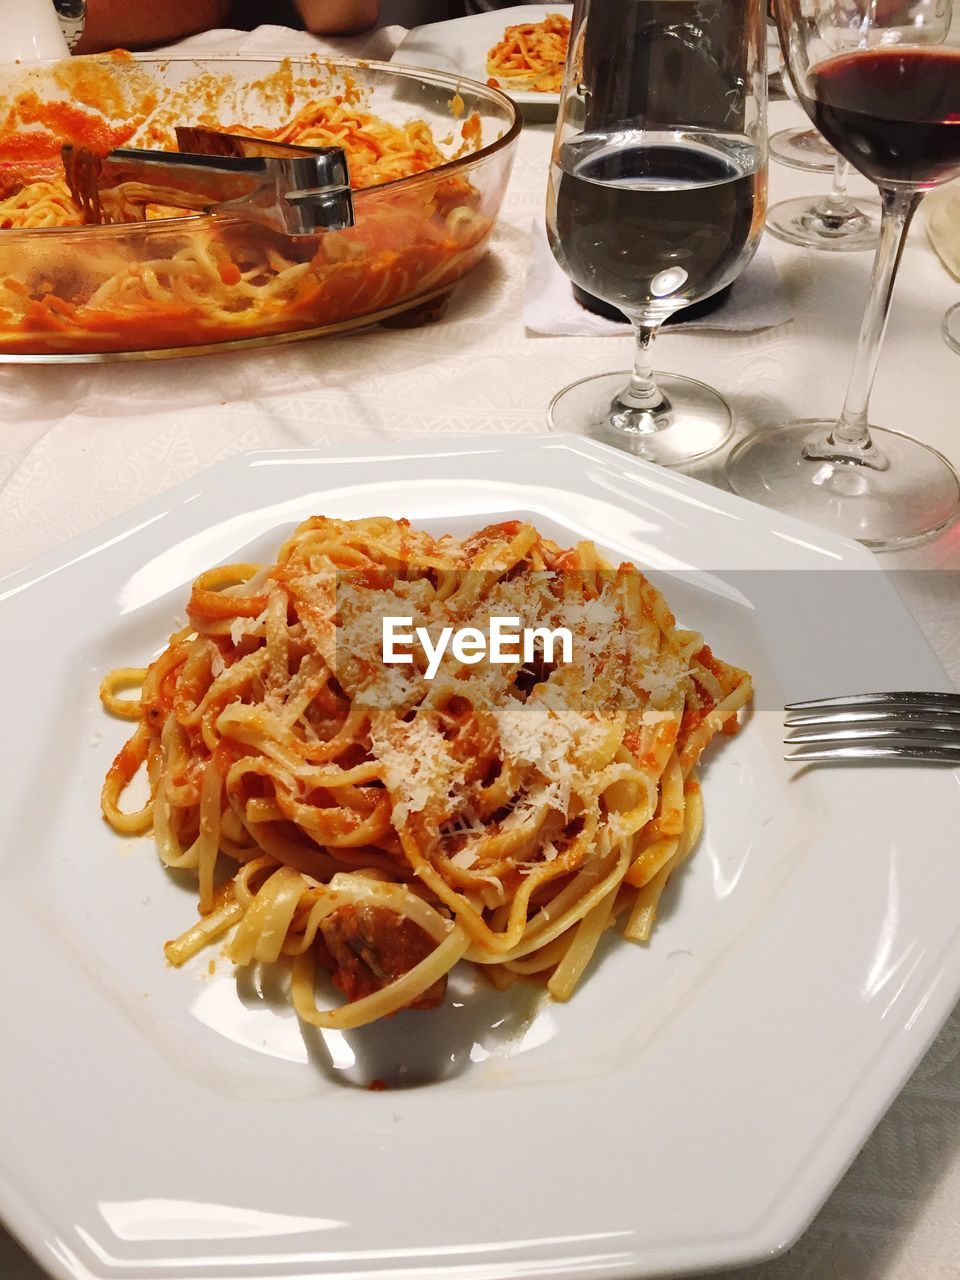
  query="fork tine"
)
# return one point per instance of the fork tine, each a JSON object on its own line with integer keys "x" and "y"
{"x": 851, "y": 754}
{"x": 933, "y": 701}
{"x": 875, "y": 715}
{"x": 921, "y": 726}
{"x": 939, "y": 734}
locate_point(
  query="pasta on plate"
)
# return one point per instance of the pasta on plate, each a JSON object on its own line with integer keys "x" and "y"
{"x": 531, "y": 55}
{"x": 354, "y": 816}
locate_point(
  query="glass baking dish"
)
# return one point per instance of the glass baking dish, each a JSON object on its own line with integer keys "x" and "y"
{"x": 192, "y": 284}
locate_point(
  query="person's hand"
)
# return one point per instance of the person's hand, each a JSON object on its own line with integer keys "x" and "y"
{"x": 338, "y": 17}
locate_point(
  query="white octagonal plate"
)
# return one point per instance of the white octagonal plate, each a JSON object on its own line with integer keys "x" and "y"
{"x": 692, "y": 1105}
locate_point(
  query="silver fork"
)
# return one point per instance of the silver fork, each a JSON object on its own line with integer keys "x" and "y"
{"x": 875, "y": 726}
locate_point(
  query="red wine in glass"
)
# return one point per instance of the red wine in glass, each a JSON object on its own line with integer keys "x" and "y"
{"x": 893, "y": 113}
{"x": 891, "y": 107}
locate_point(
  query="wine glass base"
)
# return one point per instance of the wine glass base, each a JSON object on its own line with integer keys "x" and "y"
{"x": 951, "y": 328}
{"x": 910, "y": 501}
{"x": 799, "y": 222}
{"x": 802, "y": 149}
{"x": 697, "y": 422}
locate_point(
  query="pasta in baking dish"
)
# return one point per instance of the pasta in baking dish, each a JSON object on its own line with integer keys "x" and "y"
{"x": 227, "y": 278}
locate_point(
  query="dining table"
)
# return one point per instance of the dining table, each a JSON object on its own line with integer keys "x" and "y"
{"x": 83, "y": 442}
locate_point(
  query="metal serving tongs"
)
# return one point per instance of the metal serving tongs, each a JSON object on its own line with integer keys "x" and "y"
{"x": 298, "y": 191}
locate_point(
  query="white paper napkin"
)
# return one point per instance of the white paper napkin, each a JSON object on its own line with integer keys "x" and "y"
{"x": 757, "y": 300}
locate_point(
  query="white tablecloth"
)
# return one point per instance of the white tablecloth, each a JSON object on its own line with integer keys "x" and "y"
{"x": 80, "y": 443}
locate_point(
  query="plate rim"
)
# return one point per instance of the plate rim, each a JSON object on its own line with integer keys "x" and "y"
{"x": 87, "y": 542}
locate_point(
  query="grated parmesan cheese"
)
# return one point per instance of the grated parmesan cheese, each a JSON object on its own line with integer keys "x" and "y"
{"x": 551, "y": 739}
{"x": 464, "y": 859}
{"x": 419, "y": 767}
{"x": 241, "y": 627}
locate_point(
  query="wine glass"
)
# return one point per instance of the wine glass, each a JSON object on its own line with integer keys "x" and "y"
{"x": 797, "y": 148}
{"x": 832, "y": 221}
{"x": 881, "y": 80}
{"x": 802, "y": 149}
{"x": 657, "y": 195}
{"x": 951, "y": 328}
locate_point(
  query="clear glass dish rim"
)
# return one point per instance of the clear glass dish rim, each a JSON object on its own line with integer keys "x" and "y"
{"x": 196, "y": 221}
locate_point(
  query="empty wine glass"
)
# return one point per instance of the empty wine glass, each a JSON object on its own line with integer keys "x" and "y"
{"x": 797, "y": 148}
{"x": 657, "y": 196}
{"x": 882, "y": 82}
{"x": 951, "y": 328}
{"x": 802, "y": 149}
{"x": 832, "y": 221}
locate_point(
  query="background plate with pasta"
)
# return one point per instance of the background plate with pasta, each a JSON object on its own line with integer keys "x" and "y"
{"x": 700, "y": 1095}
{"x": 462, "y": 44}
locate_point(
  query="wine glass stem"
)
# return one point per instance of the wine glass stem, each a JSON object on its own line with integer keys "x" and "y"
{"x": 641, "y": 407}
{"x": 643, "y": 390}
{"x": 898, "y": 209}
{"x": 836, "y": 201}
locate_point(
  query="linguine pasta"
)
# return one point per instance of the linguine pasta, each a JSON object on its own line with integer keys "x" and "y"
{"x": 222, "y": 278}
{"x": 345, "y": 814}
{"x": 531, "y": 55}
